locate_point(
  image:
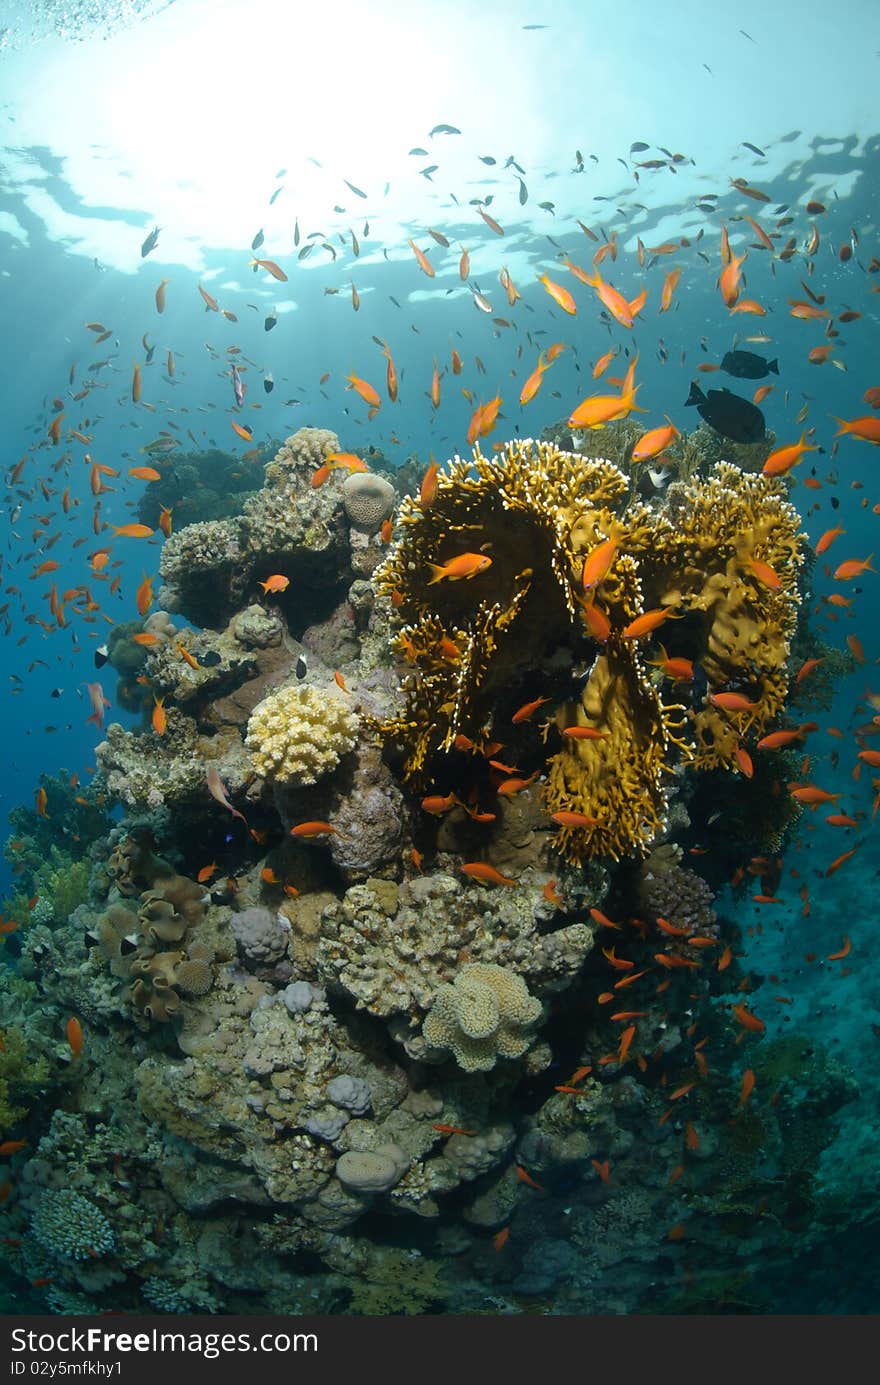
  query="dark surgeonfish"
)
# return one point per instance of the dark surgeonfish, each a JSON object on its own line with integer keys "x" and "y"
{"x": 730, "y": 415}
{"x": 748, "y": 365}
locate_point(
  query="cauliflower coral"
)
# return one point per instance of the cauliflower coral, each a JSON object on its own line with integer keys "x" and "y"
{"x": 297, "y": 735}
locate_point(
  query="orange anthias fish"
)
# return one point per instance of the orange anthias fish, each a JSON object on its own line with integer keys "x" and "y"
{"x": 159, "y": 719}
{"x": 462, "y": 568}
{"x": 132, "y": 531}
{"x": 784, "y": 458}
{"x": 677, "y": 669}
{"x": 533, "y": 384}
{"x": 424, "y": 263}
{"x": 651, "y": 444}
{"x": 527, "y": 710}
{"x": 276, "y": 583}
{"x": 144, "y": 473}
{"x": 748, "y": 1086}
{"x": 853, "y": 567}
{"x": 598, "y": 563}
{"x": 144, "y": 596}
{"x": 866, "y": 428}
{"x": 75, "y": 1036}
{"x": 217, "y": 790}
{"x": 313, "y": 829}
{"x": 731, "y": 701}
{"x": 566, "y": 818}
{"x": 526, "y": 1178}
{"x": 365, "y": 390}
{"x": 560, "y": 296}
{"x": 644, "y": 624}
{"x": 480, "y": 870}
{"x": 271, "y": 268}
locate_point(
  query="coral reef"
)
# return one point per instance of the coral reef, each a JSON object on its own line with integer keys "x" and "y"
{"x": 449, "y": 1055}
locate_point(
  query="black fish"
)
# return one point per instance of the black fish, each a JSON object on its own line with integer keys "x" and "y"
{"x": 102, "y": 654}
{"x": 444, "y": 130}
{"x": 748, "y": 365}
{"x": 301, "y": 668}
{"x": 268, "y": 384}
{"x": 257, "y": 241}
{"x": 270, "y": 321}
{"x": 151, "y": 241}
{"x": 728, "y": 414}
{"x": 357, "y": 191}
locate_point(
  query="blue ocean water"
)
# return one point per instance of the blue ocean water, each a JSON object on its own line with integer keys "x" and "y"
{"x": 528, "y": 140}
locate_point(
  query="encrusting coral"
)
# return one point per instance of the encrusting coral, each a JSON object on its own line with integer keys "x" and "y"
{"x": 298, "y": 735}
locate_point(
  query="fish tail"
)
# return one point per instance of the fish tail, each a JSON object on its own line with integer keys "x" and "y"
{"x": 697, "y": 396}
{"x": 844, "y": 426}
{"x": 438, "y": 573}
{"x": 773, "y": 365}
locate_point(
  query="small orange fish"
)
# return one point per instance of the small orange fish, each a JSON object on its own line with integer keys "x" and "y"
{"x": 437, "y": 805}
{"x": 132, "y": 531}
{"x": 276, "y": 583}
{"x": 731, "y": 701}
{"x": 460, "y": 569}
{"x": 74, "y": 1036}
{"x": 271, "y": 268}
{"x": 146, "y": 638}
{"x": 268, "y": 876}
{"x": 144, "y": 473}
{"x": 186, "y": 656}
{"x": 10, "y": 1147}
{"x": 144, "y": 596}
{"x": 844, "y": 951}
{"x": 603, "y": 1169}
{"x": 598, "y": 563}
{"x": 499, "y": 1240}
{"x": 782, "y": 459}
{"x": 853, "y": 567}
{"x": 526, "y": 1178}
{"x": 748, "y": 1086}
{"x": 207, "y": 872}
{"x": 244, "y": 433}
{"x": 560, "y": 295}
{"x": 340, "y": 682}
{"x": 646, "y": 623}
{"x": 527, "y": 710}
{"x": 748, "y": 1020}
{"x": 159, "y": 719}
{"x": 365, "y": 390}
{"x": 313, "y": 829}
{"x": 424, "y": 263}
{"x": 652, "y": 443}
{"x": 480, "y": 870}
{"x": 452, "y": 1130}
{"x": 585, "y": 733}
{"x": 566, "y": 818}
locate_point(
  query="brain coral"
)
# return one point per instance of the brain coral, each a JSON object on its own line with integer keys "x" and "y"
{"x": 70, "y": 1226}
{"x": 486, "y": 1014}
{"x": 297, "y": 735}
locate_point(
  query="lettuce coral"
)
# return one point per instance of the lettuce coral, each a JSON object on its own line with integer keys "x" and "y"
{"x": 297, "y": 735}
{"x": 486, "y": 1014}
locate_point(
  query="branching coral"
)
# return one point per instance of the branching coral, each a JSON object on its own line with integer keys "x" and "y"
{"x": 297, "y": 735}
{"x": 537, "y": 616}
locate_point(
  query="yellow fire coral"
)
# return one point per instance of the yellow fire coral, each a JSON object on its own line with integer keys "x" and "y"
{"x": 297, "y": 735}
{"x": 580, "y": 576}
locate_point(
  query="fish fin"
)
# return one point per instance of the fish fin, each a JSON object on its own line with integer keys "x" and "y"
{"x": 773, "y": 365}
{"x": 438, "y": 573}
{"x": 696, "y": 395}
